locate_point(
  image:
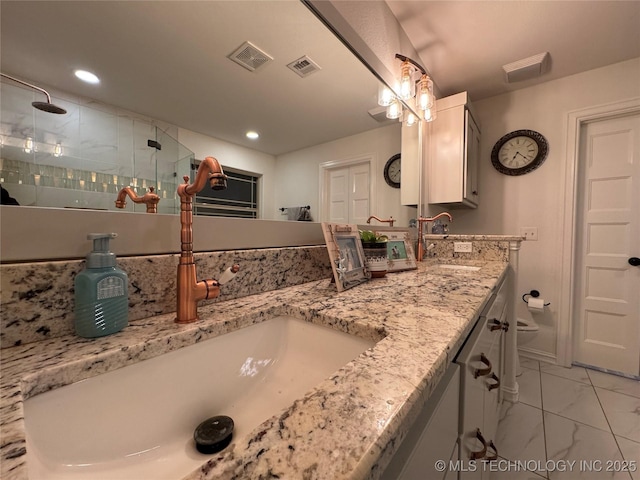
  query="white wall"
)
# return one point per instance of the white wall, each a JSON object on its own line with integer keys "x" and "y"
{"x": 537, "y": 199}
{"x": 293, "y": 170}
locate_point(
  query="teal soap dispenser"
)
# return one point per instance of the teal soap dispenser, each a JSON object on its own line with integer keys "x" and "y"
{"x": 101, "y": 292}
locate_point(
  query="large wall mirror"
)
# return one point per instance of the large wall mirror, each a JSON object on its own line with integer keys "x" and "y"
{"x": 167, "y": 76}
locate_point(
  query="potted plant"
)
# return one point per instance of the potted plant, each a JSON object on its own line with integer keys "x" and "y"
{"x": 373, "y": 242}
{"x": 375, "y": 252}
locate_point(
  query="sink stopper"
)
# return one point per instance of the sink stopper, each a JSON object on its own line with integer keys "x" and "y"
{"x": 214, "y": 434}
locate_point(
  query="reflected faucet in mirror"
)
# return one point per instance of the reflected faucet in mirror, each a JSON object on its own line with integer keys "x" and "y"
{"x": 421, "y": 222}
{"x": 389, "y": 220}
{"x": 189, "y": 290}
{"x": 150, "y": 199}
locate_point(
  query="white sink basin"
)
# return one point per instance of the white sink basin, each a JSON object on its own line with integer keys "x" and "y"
{"x": 468, "y": 268}
{"x": 138, "y": 421}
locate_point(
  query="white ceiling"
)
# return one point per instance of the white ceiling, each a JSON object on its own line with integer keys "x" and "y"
{"x": 464, "y": 44}
{"x": 168, "y": 59}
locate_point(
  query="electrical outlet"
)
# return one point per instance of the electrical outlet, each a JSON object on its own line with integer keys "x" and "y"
{"x": 466, "y": 247}
{"x": 529, "y": 233}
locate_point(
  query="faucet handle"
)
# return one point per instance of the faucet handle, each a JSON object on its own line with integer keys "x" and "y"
{"x": 228, "y": 274}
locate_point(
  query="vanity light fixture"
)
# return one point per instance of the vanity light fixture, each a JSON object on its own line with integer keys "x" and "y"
{"x": 414, "y": 83}
{"x": 252, "y": 135}
{"x": 86, "y": 76}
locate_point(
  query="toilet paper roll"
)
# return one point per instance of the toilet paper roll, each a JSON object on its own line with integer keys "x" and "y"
{"x": 536, "y": 304}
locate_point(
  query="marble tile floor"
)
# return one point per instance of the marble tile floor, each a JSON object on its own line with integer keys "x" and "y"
{"x": 570, "y": 424}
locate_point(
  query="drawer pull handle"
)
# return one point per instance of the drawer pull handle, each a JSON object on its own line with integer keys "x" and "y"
{"x": 480, "y": 454}
{"x": 492, "y": 386}
{"x": 490, "y": 458}
{"x": 482, "y": 372}
{"x": 495, "y": 324}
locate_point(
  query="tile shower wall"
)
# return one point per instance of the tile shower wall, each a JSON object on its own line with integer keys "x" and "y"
{"x": 37, "y": 298}
{"x": 83, "y": 158}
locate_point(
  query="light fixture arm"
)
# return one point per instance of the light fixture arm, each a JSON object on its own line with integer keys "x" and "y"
{"x": 412, "y": 62}
{"x": 22, "y": 82}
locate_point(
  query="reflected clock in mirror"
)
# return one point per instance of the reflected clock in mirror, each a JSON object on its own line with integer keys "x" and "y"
{"x": 392, "y": 171}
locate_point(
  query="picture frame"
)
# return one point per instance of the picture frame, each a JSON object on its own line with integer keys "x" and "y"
{"x": 346, "y": 255}
{"x": 399, "y": 250}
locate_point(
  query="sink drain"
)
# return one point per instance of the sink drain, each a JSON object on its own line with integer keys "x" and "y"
{"x": 214, "y": 434}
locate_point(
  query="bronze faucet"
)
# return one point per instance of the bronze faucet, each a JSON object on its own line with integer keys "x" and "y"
{"x": 190, "y": 290}
{"x": 390, "y": 220}
{"x": 151, "y": 199}
{"x": 421, "y": 221}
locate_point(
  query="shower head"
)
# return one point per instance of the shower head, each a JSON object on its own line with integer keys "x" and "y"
{"x": 49, "y": 107}
{"x": 44, "y": 106}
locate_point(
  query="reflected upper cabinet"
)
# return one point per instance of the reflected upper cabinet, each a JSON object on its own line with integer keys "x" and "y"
{"x": 454, "y": 153}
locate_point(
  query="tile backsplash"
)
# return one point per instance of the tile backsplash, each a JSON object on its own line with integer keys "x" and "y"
{"x": 38, "y": 299}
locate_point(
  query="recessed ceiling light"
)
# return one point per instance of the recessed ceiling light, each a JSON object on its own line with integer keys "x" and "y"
{"x": 87, "y": 76}
{"x": 252, "y": 135}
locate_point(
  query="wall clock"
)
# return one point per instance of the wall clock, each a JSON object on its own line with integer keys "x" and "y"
{"x": 519, "y": 152}
{"x": 392, "y": 171}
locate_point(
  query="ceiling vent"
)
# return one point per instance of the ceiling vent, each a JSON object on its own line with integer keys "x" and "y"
{"x": 304, "y": 66}
{"x": 250, "y": 56}
{"x": 526, "y": 68}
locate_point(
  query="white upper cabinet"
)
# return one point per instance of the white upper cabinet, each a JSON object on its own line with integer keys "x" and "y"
{"x": 454, "y": 153}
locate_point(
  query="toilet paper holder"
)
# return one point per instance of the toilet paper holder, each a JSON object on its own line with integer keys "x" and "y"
{"x": 534, "y": 294}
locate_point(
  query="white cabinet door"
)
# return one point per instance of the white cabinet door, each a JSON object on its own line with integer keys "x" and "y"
{"x": 454, "y": 152}
{"x": 481, "y": 361}
{"x": 472, "y": 159}
{"x": 433, "y": 435}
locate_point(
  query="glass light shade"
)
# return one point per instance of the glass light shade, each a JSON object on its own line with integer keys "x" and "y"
{"x": 394, "y": 110}
{"x": 407, "y": 85}
{"x": 431, "y": 113}
{"x": 57, "y": 150}
{"x": 410, "y": 118}
{"x": 385, "y": 96}
{"x": 425, "y": 97}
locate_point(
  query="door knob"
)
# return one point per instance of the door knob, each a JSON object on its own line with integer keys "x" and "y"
{"x": 635, "y": 261}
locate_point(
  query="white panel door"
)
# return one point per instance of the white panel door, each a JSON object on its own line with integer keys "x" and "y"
{"x": 339, "y": 195}
{"x": 349, "y": 194}
{"x": 359, "y": 193}
{"x": 608, "y": 286}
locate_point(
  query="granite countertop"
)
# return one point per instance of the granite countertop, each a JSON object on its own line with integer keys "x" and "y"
{"x": 348, "y": 426}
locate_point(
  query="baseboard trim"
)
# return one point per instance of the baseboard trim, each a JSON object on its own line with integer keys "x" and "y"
{"x": 539, "y": 355}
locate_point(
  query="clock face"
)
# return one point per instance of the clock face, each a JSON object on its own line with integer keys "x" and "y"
{"x": 519, "y": 152}
{"x": 392, "y": 171}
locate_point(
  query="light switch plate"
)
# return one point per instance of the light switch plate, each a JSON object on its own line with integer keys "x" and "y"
{"x": 466, "y": 247}
{"x": 529, "y": 233}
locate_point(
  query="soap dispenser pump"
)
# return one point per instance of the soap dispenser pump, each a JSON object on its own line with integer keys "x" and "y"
{"x": 101, "y": 292}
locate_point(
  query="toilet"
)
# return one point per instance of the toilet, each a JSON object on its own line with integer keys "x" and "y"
{"x": 527, "y": 330}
